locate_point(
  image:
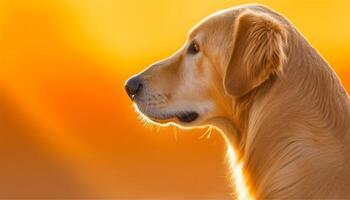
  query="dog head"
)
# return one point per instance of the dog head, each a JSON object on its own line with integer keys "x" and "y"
{"x": 228, "y": 54}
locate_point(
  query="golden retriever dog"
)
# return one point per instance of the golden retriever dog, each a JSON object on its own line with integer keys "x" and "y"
{"x": 249, "y": 73}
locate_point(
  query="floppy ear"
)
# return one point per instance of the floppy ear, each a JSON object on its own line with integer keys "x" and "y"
{"x": 258, "y": 52}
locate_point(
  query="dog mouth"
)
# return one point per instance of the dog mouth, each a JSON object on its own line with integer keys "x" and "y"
{"x": 185, "y": 117}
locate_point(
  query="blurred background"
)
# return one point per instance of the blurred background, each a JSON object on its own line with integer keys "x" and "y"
{"x": 67, "y": 128}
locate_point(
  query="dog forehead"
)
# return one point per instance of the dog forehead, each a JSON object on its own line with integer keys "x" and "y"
{"x": 214, "y": 23}
{"x": 224, "y": 18}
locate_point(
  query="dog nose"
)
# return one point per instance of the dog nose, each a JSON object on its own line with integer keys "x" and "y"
{"x": 133, "y": 86}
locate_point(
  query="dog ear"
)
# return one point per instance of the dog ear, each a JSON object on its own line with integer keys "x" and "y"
{"x": 258, "y": 52}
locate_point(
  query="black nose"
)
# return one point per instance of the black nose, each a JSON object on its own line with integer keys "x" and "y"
{"x": 133, "y": 86}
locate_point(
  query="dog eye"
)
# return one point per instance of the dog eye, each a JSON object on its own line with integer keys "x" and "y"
{"x": 193, "y": 48}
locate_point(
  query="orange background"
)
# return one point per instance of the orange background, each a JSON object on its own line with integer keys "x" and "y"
{"x": 67, "y": 128}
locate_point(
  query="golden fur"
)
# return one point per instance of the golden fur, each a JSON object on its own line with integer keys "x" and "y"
{"x": 272, "y": 95}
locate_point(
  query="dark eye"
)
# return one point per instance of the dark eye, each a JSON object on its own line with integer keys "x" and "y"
{"x": 193, "y": 48}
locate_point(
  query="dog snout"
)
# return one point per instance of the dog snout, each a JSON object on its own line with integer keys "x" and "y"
{"x": 133, "y": 86}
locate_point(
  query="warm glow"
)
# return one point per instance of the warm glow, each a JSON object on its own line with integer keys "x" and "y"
{"x": 68, "y": 129}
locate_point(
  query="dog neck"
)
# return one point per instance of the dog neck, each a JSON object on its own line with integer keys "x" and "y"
{"x": 232, "y": 137}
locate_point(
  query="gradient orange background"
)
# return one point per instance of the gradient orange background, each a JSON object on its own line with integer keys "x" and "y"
{"x": 67, "y": 128}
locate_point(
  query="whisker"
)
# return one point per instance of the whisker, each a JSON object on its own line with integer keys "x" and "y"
{"x": 210, "y": 130}
{"x": 205, "y": 133}
{"x": 175, "y": 131}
